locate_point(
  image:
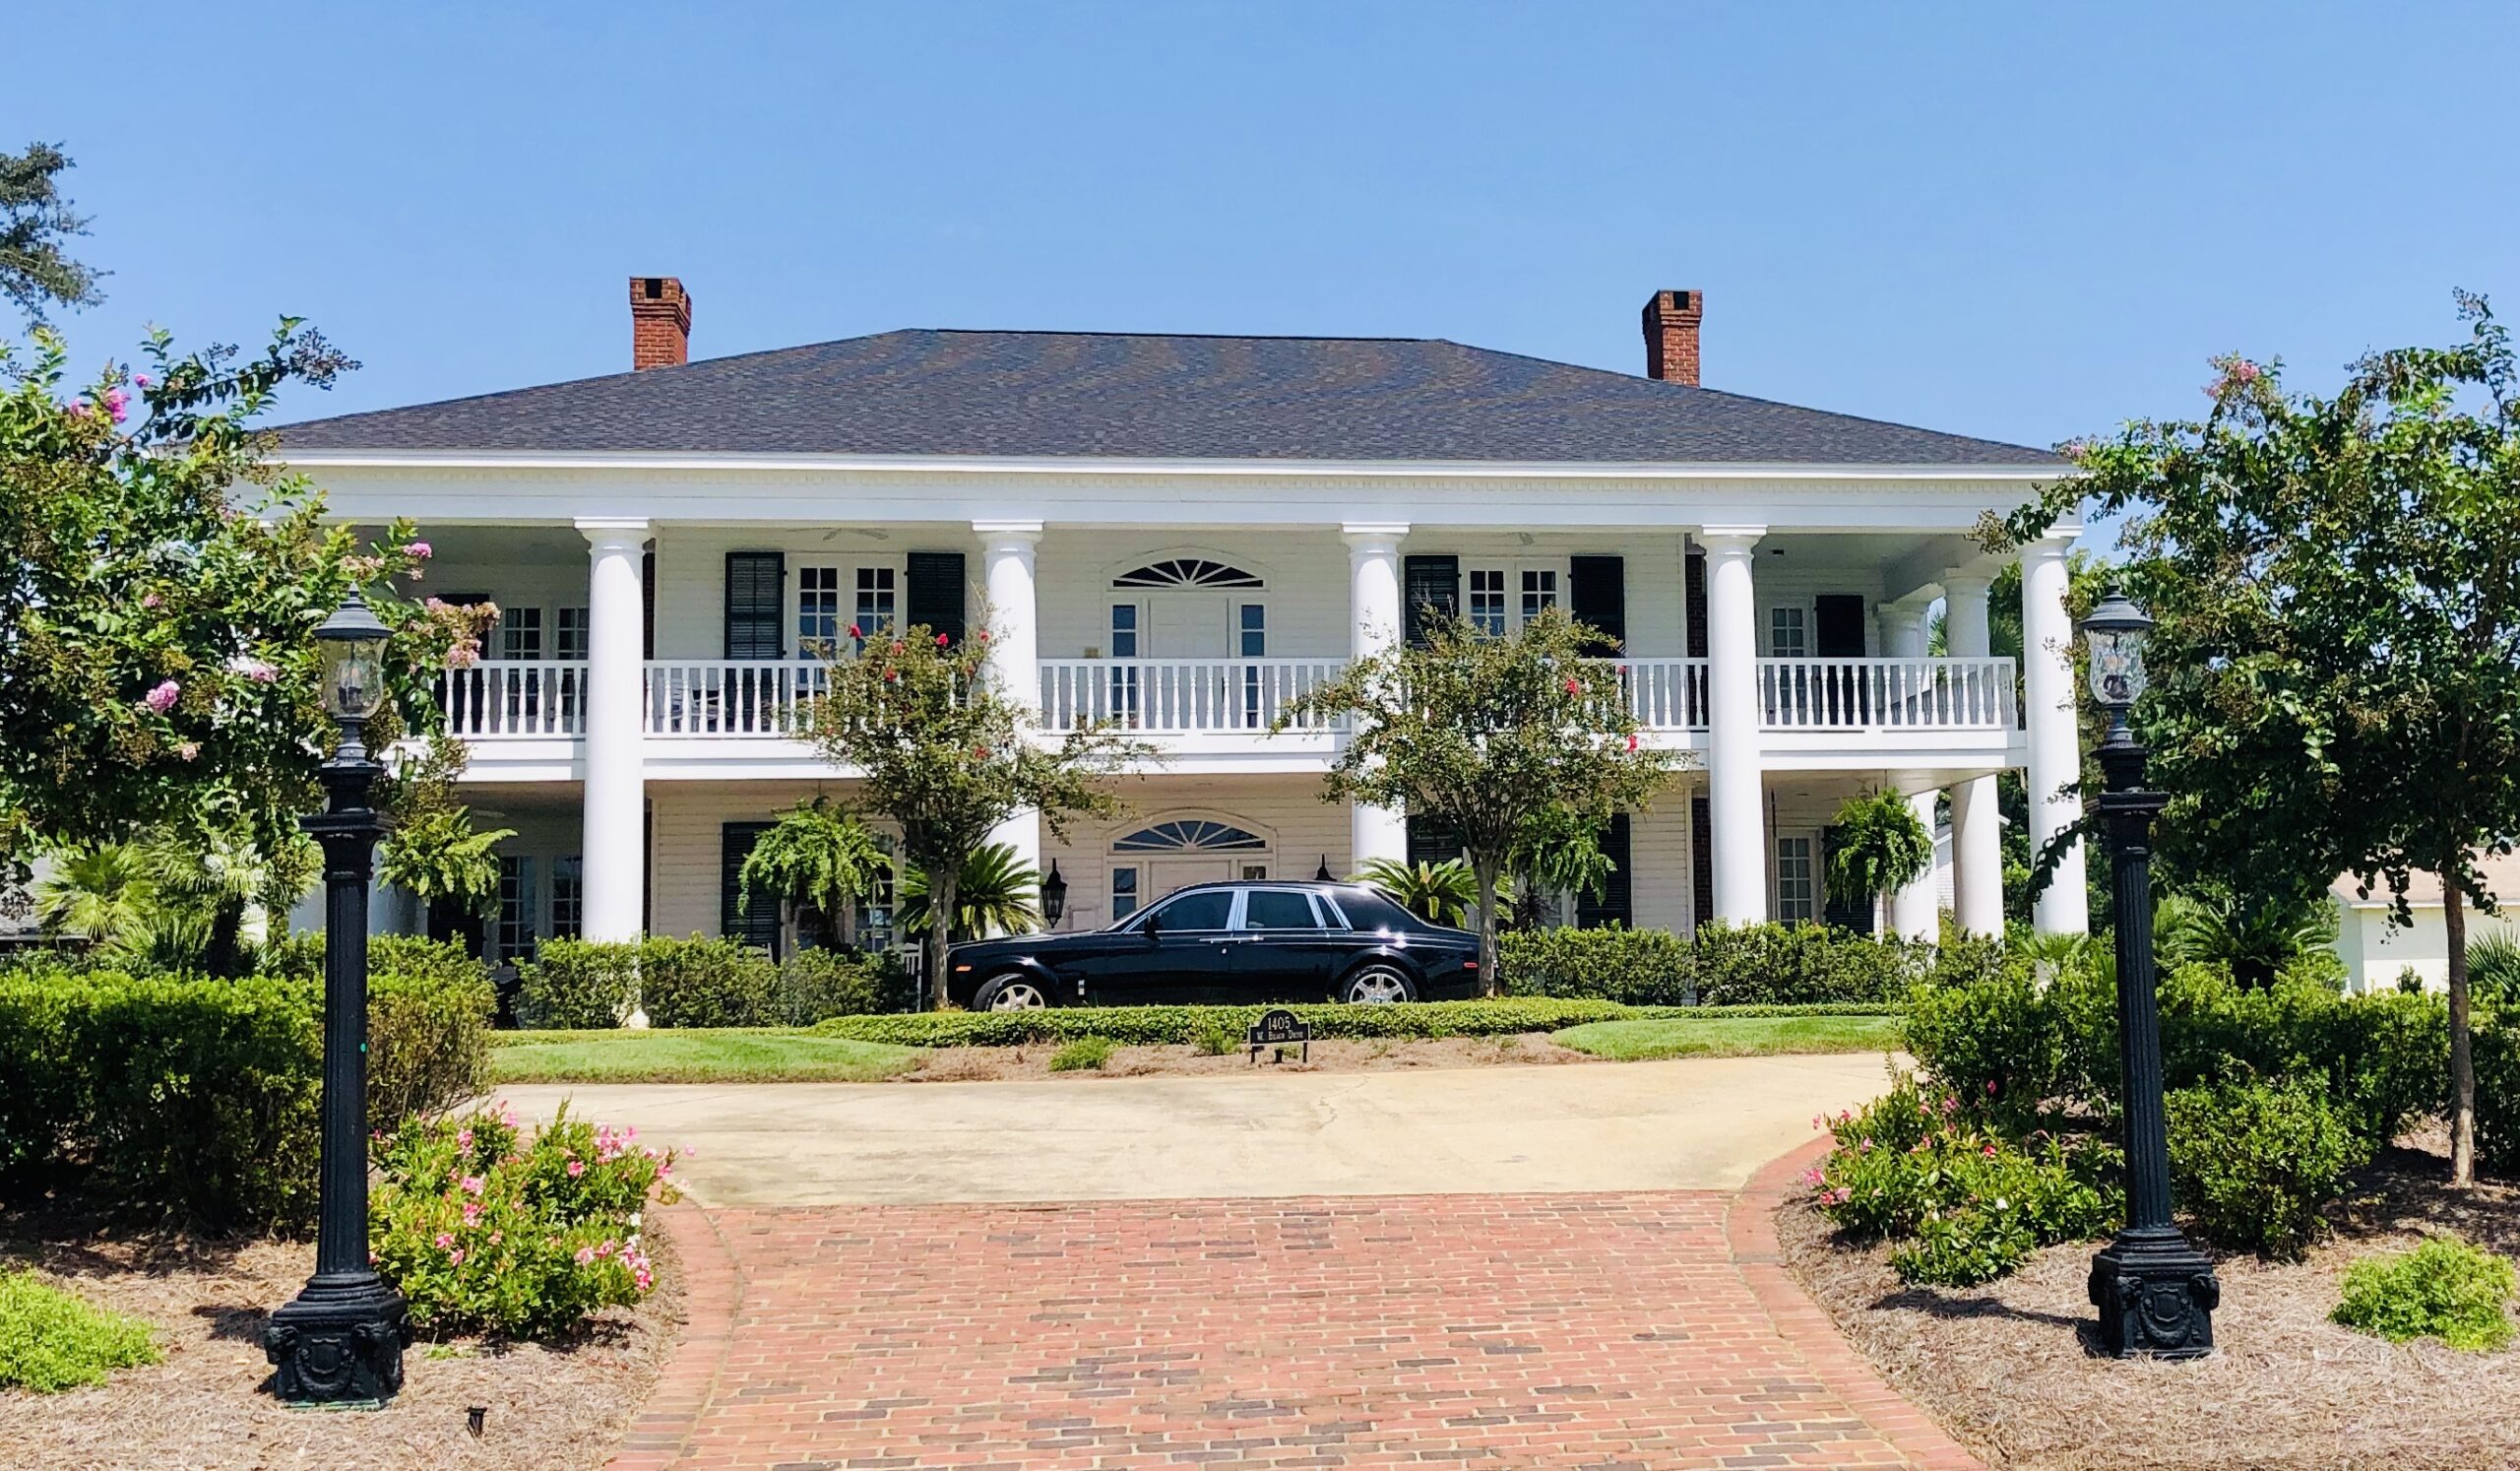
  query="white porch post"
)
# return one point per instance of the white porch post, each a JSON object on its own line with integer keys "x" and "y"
{"x": 1915, "y": 913}
{"x": 1374, "y": 625}
{"x": 1733, "y": 747}
{"x": 1014, "y": 649}
{"x": 613, "y": 856}
{"x": 2055, "y": 737}
{"x": 1977, "y": 822}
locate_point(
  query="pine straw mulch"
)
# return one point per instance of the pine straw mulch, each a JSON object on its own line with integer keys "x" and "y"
{"x": 206, "y": 1406}
{"x": 963, "y": 1065}
{"x": 2009, "y": 1367}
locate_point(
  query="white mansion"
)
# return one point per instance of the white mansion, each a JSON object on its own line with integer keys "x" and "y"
{"x": 1180, "y": 533}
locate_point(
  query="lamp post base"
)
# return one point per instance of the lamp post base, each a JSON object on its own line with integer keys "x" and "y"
{"x": 340, "y": 1342}
{"x": 2155, "y": 1295}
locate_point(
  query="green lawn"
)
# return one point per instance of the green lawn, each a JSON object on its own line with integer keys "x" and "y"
{"x": 764, "y": 1055}
{"x": 1731, "y": 1036}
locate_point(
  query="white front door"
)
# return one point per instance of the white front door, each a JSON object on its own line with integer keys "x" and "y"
{"x": 1164, "y": 875}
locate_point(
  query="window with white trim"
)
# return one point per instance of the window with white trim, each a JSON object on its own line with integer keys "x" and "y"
{"x": 1252, "y": 641}
{"x": 1124, "y": 891}
{"x": 513, "y": 934}
{"x": 1124, "y": 682}
{"x": 1796, "y": 885}
{"x": 520, "y": 633}
{"x": 570, "y": 632}
{"x": 1539, "y": 590}
{"x": 568, "y": 897}
{"x": 876, "y": 908}
{"x": 1789, "y": 633}
{"x": 1503, "y": 596}
{"x": 876, "y": 602}
{"x": 818, "y": 621}
{"x": 1487, "y": 600}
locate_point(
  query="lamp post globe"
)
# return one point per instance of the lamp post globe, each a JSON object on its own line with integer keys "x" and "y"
{"x": 2155, "y": 1292}
{"x": 340, "y": 1340}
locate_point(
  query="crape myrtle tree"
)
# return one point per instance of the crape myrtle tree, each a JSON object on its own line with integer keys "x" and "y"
{"x": 945, "y": 754}
{"x": 1514, "y": 743}
{"x": 2336, "y": 671}
{"x": 160, "y": 582}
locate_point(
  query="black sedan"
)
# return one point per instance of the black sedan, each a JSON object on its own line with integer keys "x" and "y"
{"x": 1250, "y": 941}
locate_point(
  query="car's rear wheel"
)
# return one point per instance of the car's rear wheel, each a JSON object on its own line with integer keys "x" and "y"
{"x": 1377, "y": 986}
{"x": 1010, "y": 992}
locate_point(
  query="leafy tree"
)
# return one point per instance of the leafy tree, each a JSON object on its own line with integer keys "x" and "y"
{"x": 33, "y": 222}
{"x": 2336, "y": 671}
{"x": 157, "y": 664}
{"x": 1877, "y": 845}
{"x": 1440, "y": 893}
{"x": 994, "y": 892}
{"x": 1508, "y": 743}
{"x": 947, "y": 756}
{"x": 816, "y": 856}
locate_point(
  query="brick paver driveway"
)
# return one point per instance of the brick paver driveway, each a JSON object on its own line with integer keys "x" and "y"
{"x": 1602, "y": 1330}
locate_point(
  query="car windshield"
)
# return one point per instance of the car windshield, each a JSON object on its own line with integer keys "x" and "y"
{"x": 1205, "y": 909}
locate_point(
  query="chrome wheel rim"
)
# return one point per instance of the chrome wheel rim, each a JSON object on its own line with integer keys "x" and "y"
{"x": 1377, "y": 988}
{"x": 1017, "y": 995}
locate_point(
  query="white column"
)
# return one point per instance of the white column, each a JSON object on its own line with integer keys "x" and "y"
{"x": 1014, "y": 649}
{"x": 1915, "y": 913}
{"x": 1374, "y": 617}
{"x": 2055, "y": 737}
{"x": 1976, "y": 820}
{"x": 614, "y": 854}
{"x": 1734, "y": 783}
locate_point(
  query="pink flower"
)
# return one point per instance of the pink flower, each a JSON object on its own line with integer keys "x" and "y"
{"x": 586, "y": 1256}
{"x": 577, "y": 1168}
{"x": 983, "y": 635}
{"x": 854, "y": 633}
{"x": 471, "y": 1212}
{"x": 420, "y": 549}
{"x": 150, "y": 600}
{"x": 1864, "y": 1148}
{"x": 455, "y": 1257}
{"x": 1574, "y": 687}
{"x": 115, "y": 399}
{"x": 189, "y": 749}
{"x": 471, "y": 1185}
{"x": 1989, "y": 1151}
{"x": 1951, "y": 1106}
{"x": 260, "y": 672}
{"x": 163, "y": 697}
{"x": 1990, "y": 1087}
{"x": 140, "y": 379}
{"x": 604, "y": 1251}
{"x": 445, "y": 1239}
{"x": 1631, "y": 742}
{"x": 941, "y": 641}
{"x": 79, "y": 410}
{"x": 464, "y": 1139}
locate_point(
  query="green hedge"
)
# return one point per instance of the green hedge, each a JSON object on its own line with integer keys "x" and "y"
{"x": 700, "y": 981}
{"x": 1162, "y": 1025}
{"x": 1727, "y": 964}
{"x": 577, "y": 986}
{"x": 196, "y": 1100}
{"x": 300, "y": 957}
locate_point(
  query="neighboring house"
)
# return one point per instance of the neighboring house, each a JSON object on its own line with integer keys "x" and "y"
{"x": 2376, "y": 952}
{"x": 1182, "y": 533}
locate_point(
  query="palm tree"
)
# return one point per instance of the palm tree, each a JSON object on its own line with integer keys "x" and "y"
{"x": 1440, "y": 893}
{"x": 96, "y": 893}
{"x": 2255, "y": 938}
{"x": 995, "y": 892}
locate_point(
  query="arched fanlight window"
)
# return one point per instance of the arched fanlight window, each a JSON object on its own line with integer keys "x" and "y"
{"x": 1190, "y": 835}
{"x": 1186, "y": 572}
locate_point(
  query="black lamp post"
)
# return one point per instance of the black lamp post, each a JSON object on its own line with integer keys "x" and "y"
{"x": 1053, "y": 896}
{"x": 341, "y": 1342}
{"x": 2156, "y": 1294}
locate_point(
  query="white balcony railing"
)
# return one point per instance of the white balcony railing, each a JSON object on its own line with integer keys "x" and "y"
{"x": 520, "y": 698}
{"x": 514, "y": 697}
{"x": 1890, "y": 694}
{"x": 1179, "y": 696}
{"x": 730, "y": 697}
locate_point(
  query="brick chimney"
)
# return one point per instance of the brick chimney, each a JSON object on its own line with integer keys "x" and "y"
{"x": 660, "y": 322}
{"x": 1670, "y": 336}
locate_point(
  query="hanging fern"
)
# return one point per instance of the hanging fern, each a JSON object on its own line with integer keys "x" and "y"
{"x": 1877, "y": 845}
{"x": 816, "y": 856}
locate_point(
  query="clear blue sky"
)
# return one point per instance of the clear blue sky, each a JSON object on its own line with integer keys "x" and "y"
{"x": 2025, "y": 222}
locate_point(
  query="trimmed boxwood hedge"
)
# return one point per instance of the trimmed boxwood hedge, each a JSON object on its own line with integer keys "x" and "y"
{"x": 1185, "y": 1025}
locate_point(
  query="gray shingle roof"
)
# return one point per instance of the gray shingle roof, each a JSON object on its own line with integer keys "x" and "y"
{"x": 1130, "y": 396}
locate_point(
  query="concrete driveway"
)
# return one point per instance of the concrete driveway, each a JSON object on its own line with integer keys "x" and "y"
{"x": 1692, "y": 1123}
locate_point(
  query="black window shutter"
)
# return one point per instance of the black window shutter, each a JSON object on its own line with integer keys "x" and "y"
{"x": 1430, "y": 842}
{"x": 648, "y": 603}
{"x": 1696, "y": 595}
{"x": 760, "y": 926}
{"x": 1427, "y": 582}
{"x": 1597, "y": 595}
{"x": 756, "y": 589}
{"x": 1701, "y": 859}
{"x": 1617, "y": 903}
{"x": 936, "y": 592}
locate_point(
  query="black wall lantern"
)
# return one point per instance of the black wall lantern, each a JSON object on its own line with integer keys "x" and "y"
{"x": 1053, "y": 896}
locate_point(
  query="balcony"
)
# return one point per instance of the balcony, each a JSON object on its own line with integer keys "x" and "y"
{"x": 755, "y": 716}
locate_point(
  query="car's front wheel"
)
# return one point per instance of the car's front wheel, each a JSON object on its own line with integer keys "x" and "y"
{"x": 1377, "y": 985}
{"x": 1010, "y": 992}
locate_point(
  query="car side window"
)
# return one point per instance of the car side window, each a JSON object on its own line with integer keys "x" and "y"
{"x": 1207, "y": 909}
{"x": 1368, "y": 910}
{"x": 1279, "y": 909}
